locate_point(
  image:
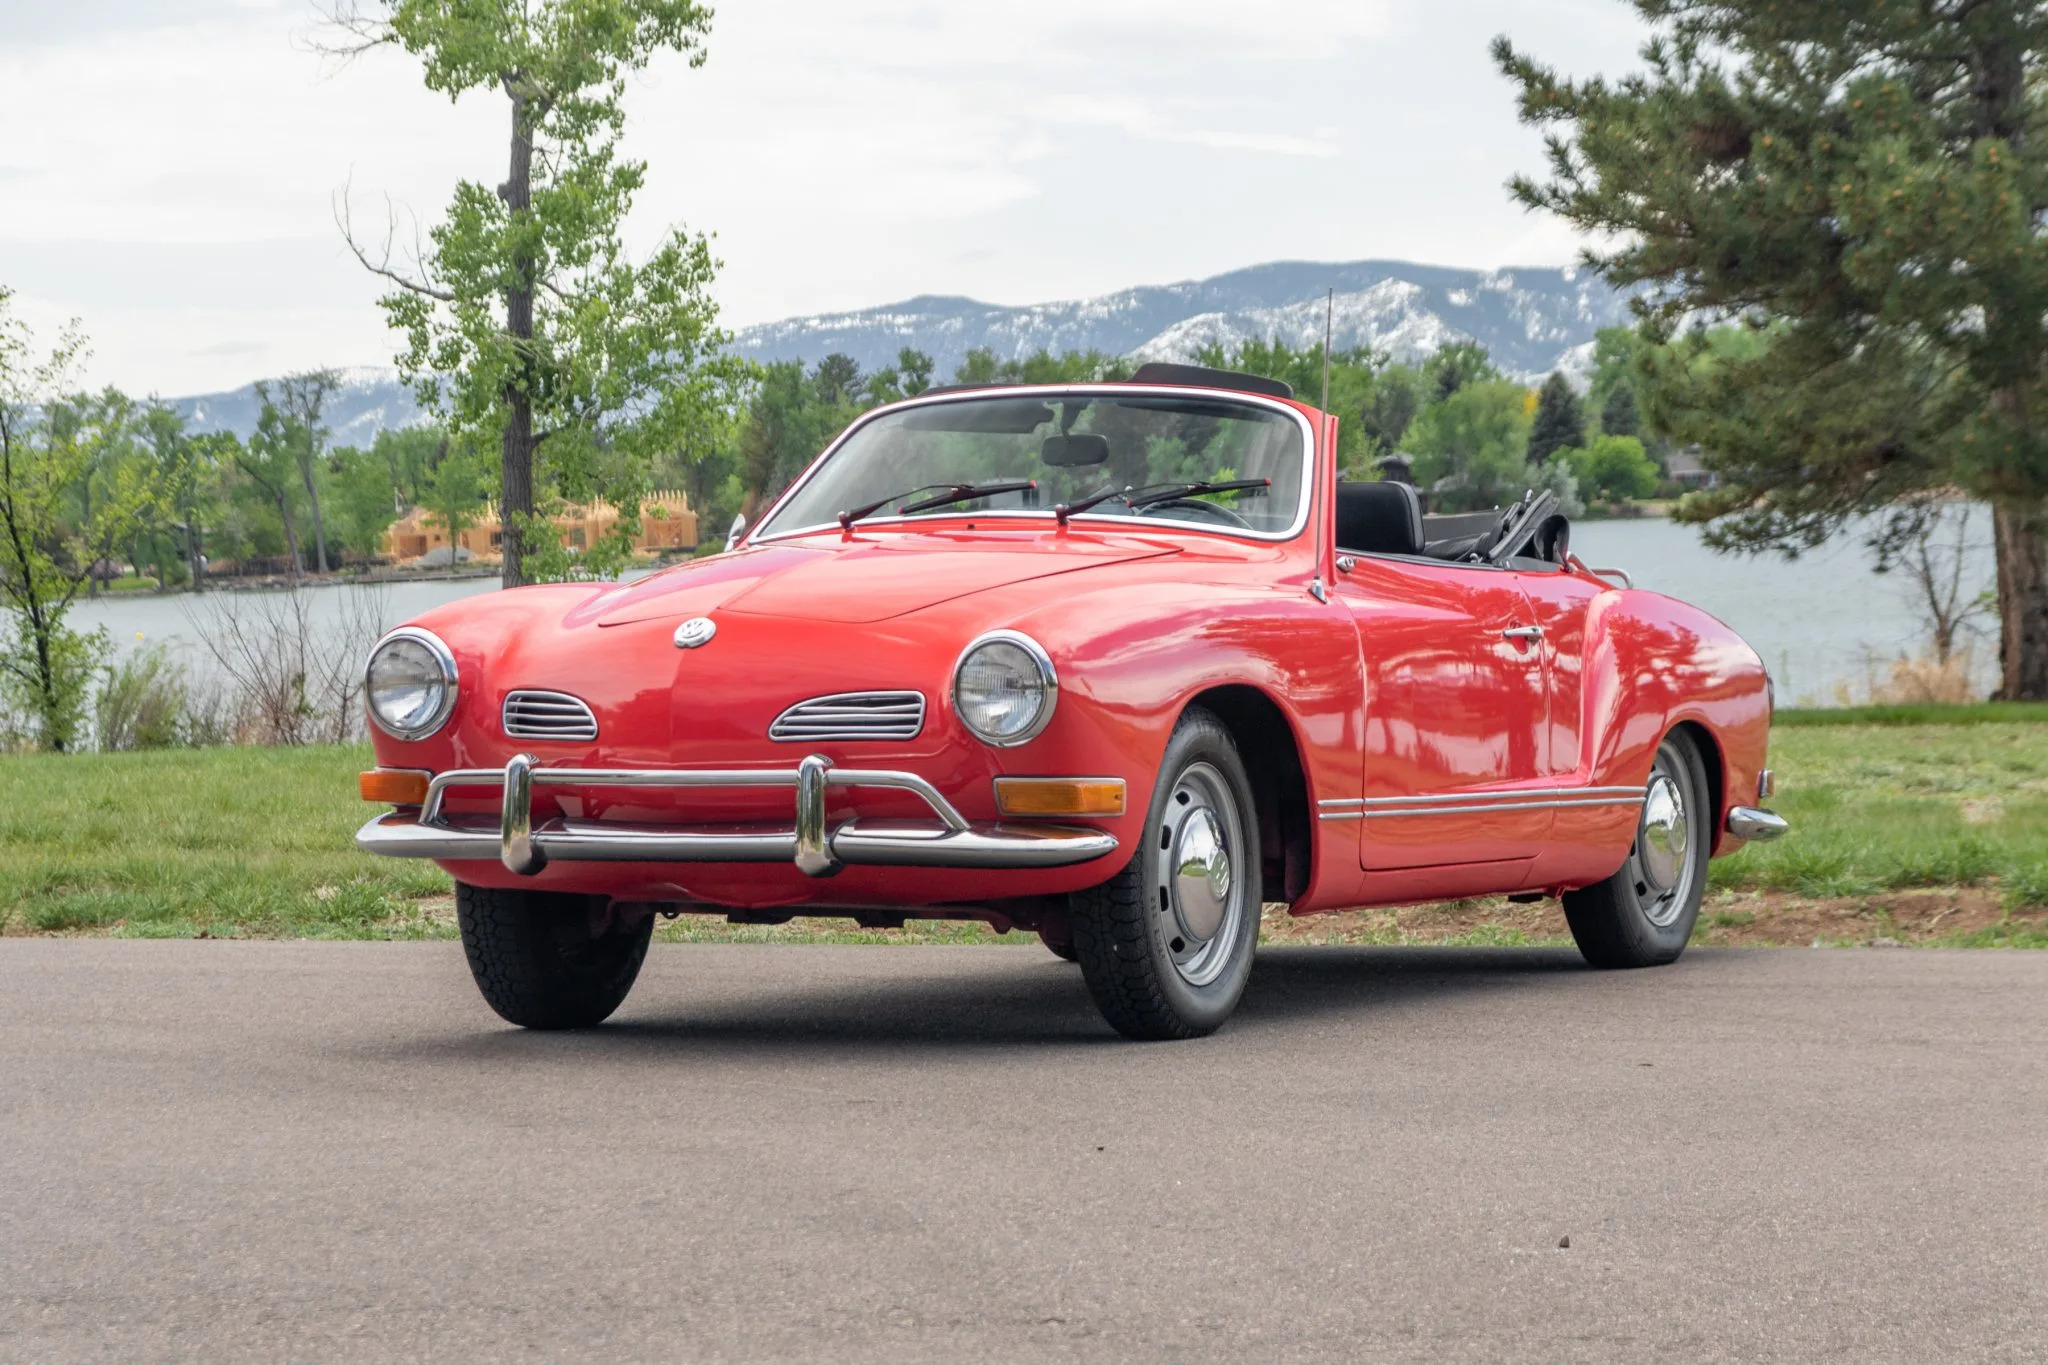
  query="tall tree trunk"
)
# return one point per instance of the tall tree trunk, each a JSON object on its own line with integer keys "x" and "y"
{"x": 2021, "y": 532}
{"x": 319, "y": 528}
{"x": 193, "y": 554}
{"x": 291, "y": 532}
{"x": 515, "y": 498}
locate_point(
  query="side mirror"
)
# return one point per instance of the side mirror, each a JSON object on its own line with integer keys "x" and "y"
{"x": 739, "y": 528}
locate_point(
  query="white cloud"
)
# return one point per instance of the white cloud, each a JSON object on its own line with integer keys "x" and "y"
{"x": 170, "y": 167}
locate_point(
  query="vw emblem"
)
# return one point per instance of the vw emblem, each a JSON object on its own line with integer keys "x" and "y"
{"x": 696, "y": 631}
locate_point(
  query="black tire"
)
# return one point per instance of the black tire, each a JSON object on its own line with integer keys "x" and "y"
{"x": 1643, "y": 915}
{"x": 1063, "y": 949}
{"x": 546, "y": 960}
{"x": 1152, "y": 975}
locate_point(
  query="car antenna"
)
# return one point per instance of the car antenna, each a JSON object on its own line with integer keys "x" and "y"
{"x": 1329, "y": 335}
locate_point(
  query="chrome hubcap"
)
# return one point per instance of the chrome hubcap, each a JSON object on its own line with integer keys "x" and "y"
{"x": 1201, "y": 897}
{"x": 1663, "y": 835}
{"x": 1201, "y": 875}
{"x": 1663, "y": 864}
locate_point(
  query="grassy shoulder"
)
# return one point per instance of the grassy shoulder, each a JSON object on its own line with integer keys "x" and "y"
{"x": 1919, "y": 833}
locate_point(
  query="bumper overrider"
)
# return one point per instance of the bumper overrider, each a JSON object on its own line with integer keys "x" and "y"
{"x": 947, "y": 839}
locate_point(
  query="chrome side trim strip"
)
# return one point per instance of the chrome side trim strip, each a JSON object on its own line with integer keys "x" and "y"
{"x": 1465, "y": 803}
{"x": 1480, "y": 798}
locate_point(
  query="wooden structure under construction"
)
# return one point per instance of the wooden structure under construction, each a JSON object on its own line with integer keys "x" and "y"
{"x": 666, "y": 523}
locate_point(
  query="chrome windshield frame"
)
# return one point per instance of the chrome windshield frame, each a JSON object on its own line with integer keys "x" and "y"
{"x": 755, "y": 536}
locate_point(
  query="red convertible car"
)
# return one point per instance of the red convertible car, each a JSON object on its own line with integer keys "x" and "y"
{"x": 1114, "y": 663}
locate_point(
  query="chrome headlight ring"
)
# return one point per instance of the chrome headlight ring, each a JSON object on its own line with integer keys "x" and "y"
{"x": 1047, "y": 686}
{"x": 440, "y": 680}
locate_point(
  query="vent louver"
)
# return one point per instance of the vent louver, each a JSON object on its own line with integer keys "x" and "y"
{"x": 548, "y": 715}
{"x": 852, "y": 716}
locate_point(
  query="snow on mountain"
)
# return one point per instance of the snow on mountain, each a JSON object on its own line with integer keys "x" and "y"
{"x": 1531, "y": 321}
{"x": 370, "y": 400}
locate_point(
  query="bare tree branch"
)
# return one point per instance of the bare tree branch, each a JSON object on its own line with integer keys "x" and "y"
{"x": 344, "y": 219}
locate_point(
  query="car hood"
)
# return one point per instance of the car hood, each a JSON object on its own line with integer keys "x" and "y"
{"x": 862, "y": 580}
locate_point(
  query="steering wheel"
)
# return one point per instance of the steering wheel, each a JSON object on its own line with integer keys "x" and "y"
{"x": 1214, "y": 510}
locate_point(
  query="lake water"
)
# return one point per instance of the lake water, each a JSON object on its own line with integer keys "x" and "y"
{"x": 1821, "y": 621}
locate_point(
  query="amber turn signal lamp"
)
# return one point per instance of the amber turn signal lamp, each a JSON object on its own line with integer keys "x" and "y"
{"x": 395, "y": 786}
{"x": 1060, "y": 795}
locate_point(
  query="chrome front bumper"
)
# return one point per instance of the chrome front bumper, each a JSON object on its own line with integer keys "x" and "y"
{"x": 945, "y": 840}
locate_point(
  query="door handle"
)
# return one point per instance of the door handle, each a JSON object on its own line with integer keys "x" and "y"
{"x": 1523, "y": 633}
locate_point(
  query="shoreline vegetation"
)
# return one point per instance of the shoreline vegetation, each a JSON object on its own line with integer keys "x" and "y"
{"x": 1911, "y": 825}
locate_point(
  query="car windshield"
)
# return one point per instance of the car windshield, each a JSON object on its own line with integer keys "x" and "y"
{"x": 1072, "y": 446}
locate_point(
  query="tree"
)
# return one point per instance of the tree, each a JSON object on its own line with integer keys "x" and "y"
{"x": 1560, "y": 421}
{"x": 455, "y": 494}
{"x": 1864, "y": 185}
{"x": 1618, "y": 416}
{"x": 1456, "y": 365}
{"x": 302, "y": 398}
{"x": 1612, "y": 468}
{"x": 1469, "y": 448}
{"x": 525, "y": 314}
{"x": 1396, "y": 397}
{"x": 59, "y": 517}
{"x": 270, "y": 459}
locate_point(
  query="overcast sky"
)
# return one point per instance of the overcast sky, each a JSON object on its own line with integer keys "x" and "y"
{"x": 168, "y": 168}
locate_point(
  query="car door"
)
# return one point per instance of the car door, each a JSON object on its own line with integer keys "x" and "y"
{"x": 1454, "y": 712}
{"x": 1561, "y": 602}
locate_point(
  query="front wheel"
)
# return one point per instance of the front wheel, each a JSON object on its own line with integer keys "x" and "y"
{"x": 546, "y": 960}
{"x": 1166, "y": 945}
{"x": 1643, "y": 915}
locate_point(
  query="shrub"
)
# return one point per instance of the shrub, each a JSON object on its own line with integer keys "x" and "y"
{"x": 144, "y": 703}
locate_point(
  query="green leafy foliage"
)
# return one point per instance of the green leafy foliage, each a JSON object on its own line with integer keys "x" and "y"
{"x": 526, "y": 322}
{"x": 1858, "y": 186}
{"x": 1560, "y": 420}
{"x": 1612, "y": 469}
{"x": 70, "y": 495}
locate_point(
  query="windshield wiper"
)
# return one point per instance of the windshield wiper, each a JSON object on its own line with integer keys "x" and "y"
{"x": 945, "y": 493}
{"x": 1193, "y": 488}
{"x": 1154, "y": 492}
{"x": 1078, "y": 505}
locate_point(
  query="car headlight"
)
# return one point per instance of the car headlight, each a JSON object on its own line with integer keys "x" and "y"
{"x": 1004, "y": 688}
{"x": 410, "y": 683}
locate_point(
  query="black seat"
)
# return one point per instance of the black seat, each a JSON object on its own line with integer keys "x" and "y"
{"x": 1379, "y": 519}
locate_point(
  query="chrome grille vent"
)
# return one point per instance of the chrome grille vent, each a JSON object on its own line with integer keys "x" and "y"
{"x": 852, "y": 715}
{"x": 548, "y": 715}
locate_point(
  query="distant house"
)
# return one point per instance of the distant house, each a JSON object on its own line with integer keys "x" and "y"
{"x": 1398, "y": 467}
{"x": 1685, "y": 469}
{"x": 666, "y": 523}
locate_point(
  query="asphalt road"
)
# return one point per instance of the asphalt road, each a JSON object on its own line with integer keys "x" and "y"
{"x": 272, "y": 1151}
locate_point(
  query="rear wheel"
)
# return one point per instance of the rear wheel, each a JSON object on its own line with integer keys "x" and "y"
{"x": 1166, "y": 945}
{"x": 549, "y": 961}
{"x": 1643, "y": 915}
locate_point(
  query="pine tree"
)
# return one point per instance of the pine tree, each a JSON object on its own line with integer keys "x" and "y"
{"x": 1863, "y": 185}
{"x": 1560, "y": 422}
{"x": 1619, "y": 416}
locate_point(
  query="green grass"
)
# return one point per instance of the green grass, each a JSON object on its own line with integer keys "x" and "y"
{"x": 1917, "y": 713}
{"x": 256, "y": 842}
{"x": 1884, "y": 808}
{"x": 241, "y": 842}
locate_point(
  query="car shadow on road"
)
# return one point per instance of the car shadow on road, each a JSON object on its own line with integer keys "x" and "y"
{"x": 1037, "y": 1002}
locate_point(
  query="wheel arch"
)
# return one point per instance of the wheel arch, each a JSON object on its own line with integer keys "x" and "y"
{"x": 1715, "y": 760}
{"x": 1272, "y": 755}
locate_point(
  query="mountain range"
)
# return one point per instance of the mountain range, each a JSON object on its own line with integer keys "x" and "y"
{"x": 1532, "y": 321}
